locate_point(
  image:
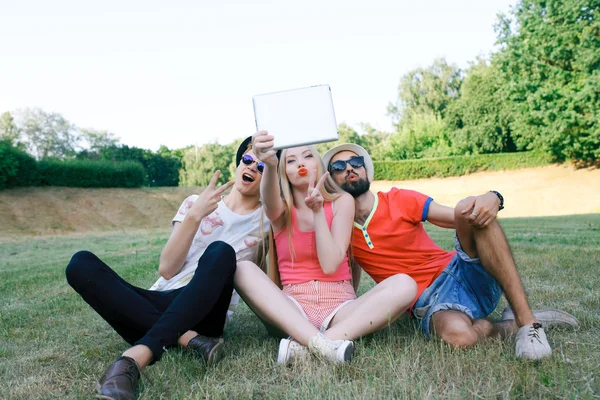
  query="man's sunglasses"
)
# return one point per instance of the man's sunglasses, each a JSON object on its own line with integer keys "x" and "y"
{"x": 248, "y": 160}
{"x": 340, "y": 165}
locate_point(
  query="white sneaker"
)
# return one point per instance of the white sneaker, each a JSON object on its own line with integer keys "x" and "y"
{"x": 336, "y": 351}
{"x": 549, "y": 318}
{"x": 532, "y": 342}
{"x": 290, "y": 349}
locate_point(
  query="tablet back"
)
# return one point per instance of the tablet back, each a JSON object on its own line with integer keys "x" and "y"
{"x": 297, "y": 117}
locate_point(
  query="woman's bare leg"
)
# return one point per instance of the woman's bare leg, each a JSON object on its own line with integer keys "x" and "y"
{"x": 270, "y": 304}
{"x": 376, "y": 309}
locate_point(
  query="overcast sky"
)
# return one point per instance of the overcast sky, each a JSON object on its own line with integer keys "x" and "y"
{"x": 184, "y": 72}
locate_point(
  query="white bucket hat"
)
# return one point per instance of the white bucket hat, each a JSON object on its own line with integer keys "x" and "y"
{"x": 355, "y": 149}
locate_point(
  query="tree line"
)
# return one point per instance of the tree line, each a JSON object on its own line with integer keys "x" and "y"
{"x": 540, "y": 90}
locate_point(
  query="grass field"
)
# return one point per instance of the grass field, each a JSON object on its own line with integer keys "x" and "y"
{"x": 52, "y": 345}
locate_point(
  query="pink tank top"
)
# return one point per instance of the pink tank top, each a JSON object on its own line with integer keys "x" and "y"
{"x": 306, "y": 265}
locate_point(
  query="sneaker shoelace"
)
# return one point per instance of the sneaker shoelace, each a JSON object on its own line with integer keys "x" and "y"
{"x": 534, "y": 333}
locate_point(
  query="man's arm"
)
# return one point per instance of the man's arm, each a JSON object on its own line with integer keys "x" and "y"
{"x": 480, "y": 211}
{"x": 439, "y": 215}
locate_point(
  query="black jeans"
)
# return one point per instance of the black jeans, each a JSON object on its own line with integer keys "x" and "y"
{"x": 154, "y": 318}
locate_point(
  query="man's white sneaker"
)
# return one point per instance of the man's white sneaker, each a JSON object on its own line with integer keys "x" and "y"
{"x": 336, "y": 351}
{"x": 290, "y": 349}
{"x": 549, "y": 318}
{"x": 532, "y": 342}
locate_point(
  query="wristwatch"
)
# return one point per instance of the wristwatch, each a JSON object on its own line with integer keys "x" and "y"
{"x": 501, "y": 199}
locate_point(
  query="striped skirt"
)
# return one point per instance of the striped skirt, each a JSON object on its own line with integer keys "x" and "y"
{"x": 319, "y": 300}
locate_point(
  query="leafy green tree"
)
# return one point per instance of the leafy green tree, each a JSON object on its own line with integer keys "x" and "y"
{"x": 550, "y": 58}
{"x": 480, "y": 118}
{"x": 373, "y": 141}
{"x": 200, "y": 163}
{"x": 47, "y": 134}
{"x": 95, "y": 139}
{"x": 426, "y": 91}
{"x": 422, "y": 137}
{"x": 8, "y": 129}
{"x": 346, "y": 135}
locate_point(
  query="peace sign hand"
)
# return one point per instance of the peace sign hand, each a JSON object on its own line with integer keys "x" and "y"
{"x": 208, "y": 200}
{"x": 314, "y": 200}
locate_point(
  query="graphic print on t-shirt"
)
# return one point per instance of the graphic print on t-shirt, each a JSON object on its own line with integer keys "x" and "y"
{"x": 251, "y": 241}
{"x": 210, "y": 223}
{"x": 187, "y": 204}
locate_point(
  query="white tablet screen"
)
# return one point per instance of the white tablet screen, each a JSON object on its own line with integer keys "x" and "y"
{"x": 297, "y": 117}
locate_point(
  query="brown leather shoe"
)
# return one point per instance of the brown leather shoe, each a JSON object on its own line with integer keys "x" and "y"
{"x": 210, "y": 349}
{"x": 119, "y": 382}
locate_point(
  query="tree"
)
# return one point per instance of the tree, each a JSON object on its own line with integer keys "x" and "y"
{"x": 422, "y": 137}
{"x": 95, "y": 139}
{"x": 550, "y": 58}
{"x": 8, "y": 129}
{"x": 426, "y": 91}
{"x": 47, "y": 134}
{"x": 200, "y": 163}
{"x": 480, "y": 118}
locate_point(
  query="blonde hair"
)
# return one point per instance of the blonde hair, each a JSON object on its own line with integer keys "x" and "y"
{"x": 262, "y": 253}
{"x": 330, "y": 192}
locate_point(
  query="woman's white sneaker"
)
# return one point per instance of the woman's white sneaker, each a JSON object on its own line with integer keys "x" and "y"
{"x": 290, "y": 349}
{"x": 336, "y": 351}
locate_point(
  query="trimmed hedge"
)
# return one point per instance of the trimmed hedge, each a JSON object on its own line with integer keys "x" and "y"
{"x": 17, "y": 168}
{"x": 82, "y": 173}
{"x": 457, "y": 166}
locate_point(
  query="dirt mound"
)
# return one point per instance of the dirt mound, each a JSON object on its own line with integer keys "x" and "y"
{"x": 52, "y": 210}
{"x": 530, "y": 192}
{"x": 552, "y": 190}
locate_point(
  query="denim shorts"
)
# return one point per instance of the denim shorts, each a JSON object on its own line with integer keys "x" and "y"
{"x": 464, "y": 286}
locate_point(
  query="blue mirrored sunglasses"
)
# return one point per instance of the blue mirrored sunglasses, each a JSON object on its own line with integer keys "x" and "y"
{"x": 248, "y": 160}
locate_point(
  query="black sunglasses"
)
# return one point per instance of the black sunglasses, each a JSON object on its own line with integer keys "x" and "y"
{"x": 248, "y": 160}
{"x": 340, "y": 165}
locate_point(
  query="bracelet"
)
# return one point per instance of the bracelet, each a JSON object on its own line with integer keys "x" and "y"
{"x": 501, "y": 199}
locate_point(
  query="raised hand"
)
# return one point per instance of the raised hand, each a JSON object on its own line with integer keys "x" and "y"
{"x": 314, "y": 200}
{"x": 262, "y": 144}
{"x": 482, "y": 210}
{"x": 208, "y": 200}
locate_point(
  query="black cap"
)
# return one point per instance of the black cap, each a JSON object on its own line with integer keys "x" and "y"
{"x": 242, "y": 149}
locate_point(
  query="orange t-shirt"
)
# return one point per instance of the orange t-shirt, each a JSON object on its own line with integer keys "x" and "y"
{"x": 393, "y": 241}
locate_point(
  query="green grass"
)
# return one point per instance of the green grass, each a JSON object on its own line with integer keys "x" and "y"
{"x": 52, "y": 345}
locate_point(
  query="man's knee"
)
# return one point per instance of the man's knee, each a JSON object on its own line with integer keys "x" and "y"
{"x": 458, "y": 336}
{"x": 454, "y": 328}
{"x": 461, "y": 206}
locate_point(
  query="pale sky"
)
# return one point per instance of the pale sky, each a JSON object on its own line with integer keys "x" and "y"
{"x": 184, "y": 72}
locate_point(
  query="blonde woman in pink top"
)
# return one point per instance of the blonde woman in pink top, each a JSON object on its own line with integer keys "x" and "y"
{"x": 312, "y": 225}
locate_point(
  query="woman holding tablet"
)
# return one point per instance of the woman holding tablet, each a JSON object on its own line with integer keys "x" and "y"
{"x": 311, "y": 226}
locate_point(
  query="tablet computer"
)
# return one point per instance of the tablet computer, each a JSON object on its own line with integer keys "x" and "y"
{"x": 297, "y": 117}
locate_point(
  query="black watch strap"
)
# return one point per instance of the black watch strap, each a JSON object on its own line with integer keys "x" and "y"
{"x": 501, "y": 199}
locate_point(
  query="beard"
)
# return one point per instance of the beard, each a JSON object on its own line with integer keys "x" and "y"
{"x": 356, "y": 188}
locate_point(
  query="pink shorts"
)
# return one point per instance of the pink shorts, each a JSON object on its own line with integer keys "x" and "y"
{"x": 319, "y": 300}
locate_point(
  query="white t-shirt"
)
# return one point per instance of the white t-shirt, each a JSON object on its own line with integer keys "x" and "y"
{"x": 242, "y": 232}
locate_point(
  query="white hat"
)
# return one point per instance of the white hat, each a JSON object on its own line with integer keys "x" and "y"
{"x": 353, "y": 148}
